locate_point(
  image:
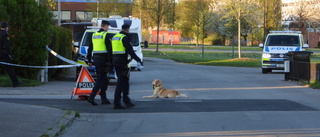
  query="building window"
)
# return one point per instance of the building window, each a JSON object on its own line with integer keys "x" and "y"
{"x": 83, "y": 15}
{"x": 65, "y": 15}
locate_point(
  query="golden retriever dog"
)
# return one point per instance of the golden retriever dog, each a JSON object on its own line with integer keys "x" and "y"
{"x": 161, "y": 92}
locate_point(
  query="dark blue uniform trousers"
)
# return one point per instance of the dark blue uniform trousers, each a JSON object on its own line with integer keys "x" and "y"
{"x": 102, "y": 81}
{"x": 10, "y": 70}
{"x": 122, "y": 86}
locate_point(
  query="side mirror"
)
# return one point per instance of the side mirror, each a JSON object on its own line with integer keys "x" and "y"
{"x": 305, "y": 46}
{"x": 261, "y": 45}
{"x": 76, "y": 44}
{"x": 145, "y": 44}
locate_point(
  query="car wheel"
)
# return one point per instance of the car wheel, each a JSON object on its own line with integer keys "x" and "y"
{"x": 264, "y": 71}
{"x": 132, "y": 68}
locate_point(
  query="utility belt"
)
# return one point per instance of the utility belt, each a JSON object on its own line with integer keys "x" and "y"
{"x": 100, "y": 55}
{"x": 122, "y": 57}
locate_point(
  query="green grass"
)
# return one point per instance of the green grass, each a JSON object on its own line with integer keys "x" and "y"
{"x": 315, "y": 84}
{"x": 205, "y": 47}
{"x": 6, "y": 82}
{"x": 213, "y": 58}
{"x": 315, "y": 58}
{"x": 237, "y": 62}
{"x": 45, "y": 135}
{"x": 62, "y": 127}
{"x": 77, "y": 114}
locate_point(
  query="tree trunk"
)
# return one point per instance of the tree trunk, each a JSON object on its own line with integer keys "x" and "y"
{"x": 157, "y": 49}
{"x": 158, "y": 26}
{"x": 239, "y": 34}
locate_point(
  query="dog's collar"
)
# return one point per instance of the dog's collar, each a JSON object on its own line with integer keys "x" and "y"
{"x": 154, "y": 86}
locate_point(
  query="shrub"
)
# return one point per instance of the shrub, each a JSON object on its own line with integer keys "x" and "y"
{"x": 61, "y": 43}
{"x": 30, "y": 32}
{"x": 214, "y": 39}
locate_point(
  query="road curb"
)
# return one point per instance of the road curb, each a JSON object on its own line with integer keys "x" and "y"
{"x": 61, "y": 125}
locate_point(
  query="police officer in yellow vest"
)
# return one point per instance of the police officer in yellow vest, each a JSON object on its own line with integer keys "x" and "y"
{"x": 102, "y": 56}
{"x": 121, "y": 48}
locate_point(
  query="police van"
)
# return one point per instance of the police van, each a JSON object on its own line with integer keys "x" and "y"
{"x": 116, "y": 23}
{"x": 275, "y": 47}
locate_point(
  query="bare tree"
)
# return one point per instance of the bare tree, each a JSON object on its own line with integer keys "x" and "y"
{"x": 156, "y": 11}
{"x": 196, "y": 15}
{"x": 304, "y": 13}
{"x": 239, "y": 10}
{"x": 170, "y": 17}
{"x": 271, "y": 15}
{"x": 105, "y": 8}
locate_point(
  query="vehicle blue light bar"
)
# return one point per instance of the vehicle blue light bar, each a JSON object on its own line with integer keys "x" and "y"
{"x": 285, "y": 32}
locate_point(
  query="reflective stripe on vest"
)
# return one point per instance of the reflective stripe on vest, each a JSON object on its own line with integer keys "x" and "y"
{"x": 98, "y": 41}
{"x": 117, "y": 45}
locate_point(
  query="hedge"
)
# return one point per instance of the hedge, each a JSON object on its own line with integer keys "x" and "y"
{"x": 31, "y": 29}
{"x": 61, "y": 43}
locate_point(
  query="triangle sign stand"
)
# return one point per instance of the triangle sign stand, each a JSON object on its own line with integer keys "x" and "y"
{"x": 84, "y": 83}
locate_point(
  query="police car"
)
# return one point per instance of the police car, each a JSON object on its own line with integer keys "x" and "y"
{"x": 275, "y": 47}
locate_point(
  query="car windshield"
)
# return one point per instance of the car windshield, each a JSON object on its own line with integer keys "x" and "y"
{"x": 88, "y": 38}
{"x": 283, "y": 40}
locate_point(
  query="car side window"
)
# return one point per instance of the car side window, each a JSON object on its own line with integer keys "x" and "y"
{"x": 87, "y": 39}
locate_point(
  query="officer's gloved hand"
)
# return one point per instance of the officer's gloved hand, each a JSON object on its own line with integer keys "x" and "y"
{"x": 89, "y": 64}
{"x": 140, "y": 66}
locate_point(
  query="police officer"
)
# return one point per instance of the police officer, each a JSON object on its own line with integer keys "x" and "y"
{"x": 6, "y": 54}
{"x": 101, "y": 48}
{"x": 121, "y": 48}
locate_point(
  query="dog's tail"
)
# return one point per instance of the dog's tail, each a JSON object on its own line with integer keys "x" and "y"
{"x": 183, "y": 95}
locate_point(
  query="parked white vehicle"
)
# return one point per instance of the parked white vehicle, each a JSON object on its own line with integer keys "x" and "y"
{"x": 275, "y": 47}
{"x": 116, "y": 23}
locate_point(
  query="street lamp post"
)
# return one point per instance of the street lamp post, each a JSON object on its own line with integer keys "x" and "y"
{"x": 259, "y": 26}
{"x": 59, "y": 13}
{"x": 97, "y": 8}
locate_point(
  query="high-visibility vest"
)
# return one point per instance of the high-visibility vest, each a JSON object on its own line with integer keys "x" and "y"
{"x": 117, "y": 45}
{"x": 98, "y": 41}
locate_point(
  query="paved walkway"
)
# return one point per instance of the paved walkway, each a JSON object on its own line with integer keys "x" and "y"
{"x": 22, "y": 120}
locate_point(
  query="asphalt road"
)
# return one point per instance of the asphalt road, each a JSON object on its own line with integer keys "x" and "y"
{"x": 223, "y": 101}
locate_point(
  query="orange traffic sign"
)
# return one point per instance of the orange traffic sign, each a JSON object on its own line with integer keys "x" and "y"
{"x": 84, "y": 83}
